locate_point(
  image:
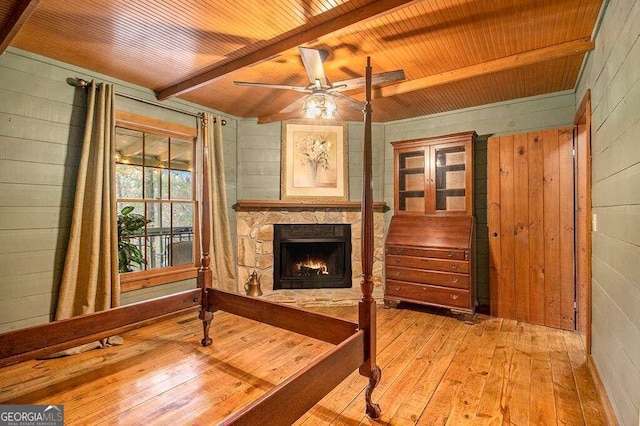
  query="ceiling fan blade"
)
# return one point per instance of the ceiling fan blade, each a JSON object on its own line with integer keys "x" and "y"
{"x": 295, "y": 106}
{"x": 354, "y": 83}
{"x": 272, "y": 86}
{"x": 312, "y": 60}
{"x": 347, "y": 102}
{"x": 278, "y": 116}
{"x": 293, "y": 110}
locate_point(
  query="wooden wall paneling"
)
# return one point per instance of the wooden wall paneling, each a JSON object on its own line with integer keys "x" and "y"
{"x": 507, "y": 262}
{"x": 551, "y": 228}
{"x": 493, "y": 217}
{"x": 521, "y": 225}
{"x": 567, "y": 234}
{"x": 536, "y": 228}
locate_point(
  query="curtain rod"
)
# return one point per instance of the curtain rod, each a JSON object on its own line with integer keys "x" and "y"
{"x": 82, "y": 84}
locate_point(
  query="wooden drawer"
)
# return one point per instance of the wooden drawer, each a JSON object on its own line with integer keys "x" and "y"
{"x": 441, "y": 296}
{"x": 443, "y": 265}
{"x": 428, "y": 277}
{"x": 427, "y": 252}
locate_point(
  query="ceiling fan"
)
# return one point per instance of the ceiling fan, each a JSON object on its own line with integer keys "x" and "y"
{"x": 323, "y": 98}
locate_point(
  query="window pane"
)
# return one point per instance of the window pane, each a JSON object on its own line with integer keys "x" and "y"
{"x": 128, "y": 181}
{"x": 128, "y": 146}
{"x": 180, "y": 185}
{"x": 181, "y": 155}
{"x": 156, "y": 183}
{"x": 131, "y": 240}
{"x": 158, "y": 252}
{"x": 182, "y": 239}
{"x": 159, "y": 234}
{"x": 156, "y": 150}
{"x": 182, "y": 216}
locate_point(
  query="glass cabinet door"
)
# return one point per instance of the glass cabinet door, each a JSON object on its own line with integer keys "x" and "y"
{"x": 411, "y": 181}
{"x": 449, "y": 178}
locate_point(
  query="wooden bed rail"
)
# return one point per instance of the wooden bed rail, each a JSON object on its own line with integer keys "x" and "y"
{"x": 46, "y": 339}
{"x": 322, "y": 327}
{"x": 303, "y": 390}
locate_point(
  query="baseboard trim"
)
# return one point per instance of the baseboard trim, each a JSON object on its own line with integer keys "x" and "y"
{"x": 609, "y": 414}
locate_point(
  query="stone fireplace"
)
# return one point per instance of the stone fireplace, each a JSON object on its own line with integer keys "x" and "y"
{"x": 256, "y": 241}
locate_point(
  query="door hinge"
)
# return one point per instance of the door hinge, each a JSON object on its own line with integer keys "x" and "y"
{"x": 574, "y": 152}
{"x": 575, "y": 305}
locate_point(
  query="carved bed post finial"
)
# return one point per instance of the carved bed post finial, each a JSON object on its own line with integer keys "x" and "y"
{"x": 204, "y": 272}
{"x": 367, "y": 306}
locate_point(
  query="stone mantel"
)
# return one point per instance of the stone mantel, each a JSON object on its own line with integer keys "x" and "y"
{"x": 263, "y": 205}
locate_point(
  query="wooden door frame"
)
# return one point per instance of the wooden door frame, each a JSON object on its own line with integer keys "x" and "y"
{"x": 583, "y": 220}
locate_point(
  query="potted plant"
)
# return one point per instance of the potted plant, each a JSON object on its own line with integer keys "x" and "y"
{"x": 129, "y": 225}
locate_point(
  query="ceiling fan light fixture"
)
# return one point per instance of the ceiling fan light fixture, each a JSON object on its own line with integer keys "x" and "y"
{"x": 320, "y": 105}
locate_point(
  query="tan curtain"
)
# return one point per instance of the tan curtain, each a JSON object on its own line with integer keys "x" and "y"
{"x": 90, "y": 280}
{"x": 221, "y": 249}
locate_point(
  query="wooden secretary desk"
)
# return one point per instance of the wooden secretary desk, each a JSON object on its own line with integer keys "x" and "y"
{"x": 429, "y": 245}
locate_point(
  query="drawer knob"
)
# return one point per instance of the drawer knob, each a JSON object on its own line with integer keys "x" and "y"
{"x": 455, "y": 266}
{"x": 455, "y": 280}
{"x": 450, "y": 254}
{"x": 397, "y": 273}
{"x": 454, "y": 296}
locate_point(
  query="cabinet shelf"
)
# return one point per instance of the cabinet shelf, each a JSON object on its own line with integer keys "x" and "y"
{"x": 411, "y": 170}
{"x": 451, "y": 192}
{"x": 451, "y": 167}
{"x": 410, "y": 193}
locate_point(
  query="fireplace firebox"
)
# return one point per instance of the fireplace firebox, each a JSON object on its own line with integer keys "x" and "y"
{"x": 310, "y": 256}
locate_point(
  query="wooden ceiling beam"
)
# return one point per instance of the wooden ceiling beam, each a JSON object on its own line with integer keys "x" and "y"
{"x": 19, "y": 17}
{"x": 510, "y": 62}
{"x": 294, "y": 38}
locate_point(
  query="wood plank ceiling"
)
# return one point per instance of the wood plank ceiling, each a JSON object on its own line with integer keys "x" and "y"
{"x": 455, "y": 53}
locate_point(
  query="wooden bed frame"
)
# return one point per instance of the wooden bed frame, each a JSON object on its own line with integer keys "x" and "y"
{"x": 355, "y": 343}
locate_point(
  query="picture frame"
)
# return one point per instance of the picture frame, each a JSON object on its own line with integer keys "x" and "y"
{"x": 314, "y": 165}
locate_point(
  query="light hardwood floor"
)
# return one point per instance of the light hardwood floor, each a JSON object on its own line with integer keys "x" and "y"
{"x": 435, "y": 370}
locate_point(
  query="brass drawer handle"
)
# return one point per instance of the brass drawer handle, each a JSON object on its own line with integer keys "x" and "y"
{"x": 397, "y": 261}
{"x": 455, "y": 280}
{"x": 455, "y": 266}
{"x": 400, "y": 250}
{"x": 397, "y": 273}
{"x": 450, "y": 254}
{"x": 396, "y": 288}
{"x": 454, "y": 296}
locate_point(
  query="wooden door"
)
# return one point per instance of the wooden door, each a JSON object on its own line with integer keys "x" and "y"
{"x": 531, "y": 227}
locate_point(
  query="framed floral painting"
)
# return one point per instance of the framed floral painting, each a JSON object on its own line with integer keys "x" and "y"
{"x": 314, "y": 161}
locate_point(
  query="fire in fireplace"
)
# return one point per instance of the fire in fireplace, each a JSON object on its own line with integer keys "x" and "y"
{"x": 311, "y": 256}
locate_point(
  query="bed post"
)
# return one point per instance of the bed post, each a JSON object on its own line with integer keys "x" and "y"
{"x": 204, "y": 272}
{"x": 367, "y": 306}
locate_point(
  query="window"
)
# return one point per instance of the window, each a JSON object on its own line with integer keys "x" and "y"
{"x": 155, "y": 191}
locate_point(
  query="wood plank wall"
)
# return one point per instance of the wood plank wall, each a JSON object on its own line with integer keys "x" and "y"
{"x": 531, "y": 227}
{"x": 41, "y": 119}
{"x": 612, "y": 73}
